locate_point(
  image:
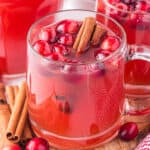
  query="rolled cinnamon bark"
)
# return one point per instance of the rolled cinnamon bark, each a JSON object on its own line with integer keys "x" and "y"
{"x": 20, "y": 131}
{"x": 18, "y": 117}
{"x": 21, "y": 124}
{"x": 2, "y": 92}
{"x": 4, "y": 117}
{"x": 10, "y": 94}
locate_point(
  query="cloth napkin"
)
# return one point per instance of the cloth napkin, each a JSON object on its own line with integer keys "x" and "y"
{"x": 145, "y": 144}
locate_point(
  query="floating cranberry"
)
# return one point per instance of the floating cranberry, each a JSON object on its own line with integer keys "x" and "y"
{"x": 129, "y": 1}
{"x": 64, "y": 107}
{"x": 60, "y": 49}
{"x": 66, "y": 39}
{"x": 48, "y": 34}
{"x": 12, "y": 147}
{"x": 123, "y": 8}
{"x": 42, "y": 47}
{"x": 37, "y": 143}
{"x": 128, "y": 131}
{"x": 67, "y": 26}
{"x": 142, "y": 6}
{"x": 110, "y": 43}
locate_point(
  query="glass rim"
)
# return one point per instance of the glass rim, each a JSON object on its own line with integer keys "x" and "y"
{"x": 126, "y": 11}
{"x": 121, "y": 48}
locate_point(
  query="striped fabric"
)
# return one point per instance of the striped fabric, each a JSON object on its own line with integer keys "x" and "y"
{"x": 145, "y": 144}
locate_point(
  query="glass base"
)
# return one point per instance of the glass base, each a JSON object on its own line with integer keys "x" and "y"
{"x": 77, "y": 143}
{"x": 13, "y": 79}
{"x": 138, "y": 107}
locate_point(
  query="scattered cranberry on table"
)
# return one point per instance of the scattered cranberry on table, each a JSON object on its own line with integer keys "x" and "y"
{"x": 128, "y": 131}
{"x": 37, "y": 143}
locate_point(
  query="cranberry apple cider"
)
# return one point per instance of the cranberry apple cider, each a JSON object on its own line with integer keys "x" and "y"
{"x": 134, "y": 16}
{"x": 75, "y": 78}
{"x": 16, "y": 16}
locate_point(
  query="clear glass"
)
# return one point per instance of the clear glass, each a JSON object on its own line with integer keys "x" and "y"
{"x": 96, "y": 100}
{"x": 137, "y": 69}
{"x": 16, "y": 16}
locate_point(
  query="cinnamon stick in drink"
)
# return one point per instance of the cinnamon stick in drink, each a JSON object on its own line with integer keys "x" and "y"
{"x": 99, "y": 32}
{"x": 84, "y": 34}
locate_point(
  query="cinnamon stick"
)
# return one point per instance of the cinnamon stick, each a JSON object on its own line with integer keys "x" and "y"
{"x": 21, "y": 124}
{"x": 10, "y": 96}
{"x": 97, "y": 35}
{"x": 27, "y": 134}
{"x": 84, "y": 35}
{"x": 12, "y": 92}
{"x": 4, "y": 117}
{"x": 2, "y": 92}
{"x": 78, "y": 38}
{"x": 15, "y": 116}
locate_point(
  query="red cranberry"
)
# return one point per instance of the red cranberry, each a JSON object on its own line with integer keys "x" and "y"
{"x": 67, "y": 26}
{"x": 64, "y": 107}
{"x": 142, "y": 5}
{"x": 123, "y": 8}
{"x": 37, "y": 143}
{"x": 60, "y": 49}
{"x": 66, "y": 39}
{"x": 110, "y": 43}
{"x": 128, "y": 131}
{"x": 12, "y": 147}
{"x": 42, "y": 47}
{"x": 48, "y": 34}
{"x": 129, "y": 1}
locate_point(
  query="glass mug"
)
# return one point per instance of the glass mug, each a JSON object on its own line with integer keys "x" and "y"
{"x": 16, "y": 16}
{"x": 134, "y": 16}
{"x": 91, "y": 100}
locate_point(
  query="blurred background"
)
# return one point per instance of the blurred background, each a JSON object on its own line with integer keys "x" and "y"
{"x": 79, "y": 4}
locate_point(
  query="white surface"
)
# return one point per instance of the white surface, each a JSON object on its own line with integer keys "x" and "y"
{"x": 79, "y": 4}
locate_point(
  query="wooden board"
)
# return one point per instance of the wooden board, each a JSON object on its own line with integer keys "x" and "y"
{"x": 117, "y": 144}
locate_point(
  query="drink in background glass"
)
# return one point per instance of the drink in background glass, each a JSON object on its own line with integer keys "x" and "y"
{"x": 74, "y": 101}
{"x": 134, "y": 16}
{"x": 16, "y": 16}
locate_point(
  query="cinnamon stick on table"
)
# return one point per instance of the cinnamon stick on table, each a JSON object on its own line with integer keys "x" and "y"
{"x": 2, "y": 92}
{"x": 10, "y": 96}
{"x": 17, "y": 122}
{"x": 4, "y": 117}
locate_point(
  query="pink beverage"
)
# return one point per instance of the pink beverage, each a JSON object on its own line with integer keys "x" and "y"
{"x": 134, "y": 16}
{"x": 16, "y": 17}
{"x": 76, "y": 94}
